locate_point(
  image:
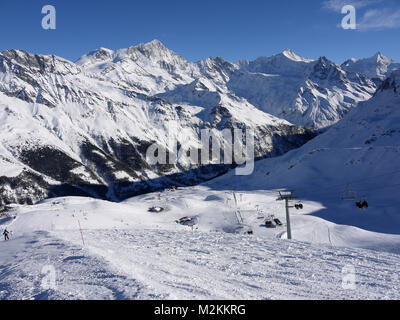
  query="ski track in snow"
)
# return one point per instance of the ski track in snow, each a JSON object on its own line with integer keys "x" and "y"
{"x": 129, "y": 253}
{"x": 79, "y": 275}
{"x": 197, "y": 265}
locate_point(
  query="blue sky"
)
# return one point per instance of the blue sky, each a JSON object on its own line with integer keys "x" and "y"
{"x": 198, "y": 29}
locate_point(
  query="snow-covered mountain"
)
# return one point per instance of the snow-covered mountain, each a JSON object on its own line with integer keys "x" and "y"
{"x": 149, "y": 68}
{"x": 66, "y": 129}
{"x": 96, "y": 118}
{"x": 378, "y": 67}
{"x": 305, "y": 92}
{"x": 360, "y": 154}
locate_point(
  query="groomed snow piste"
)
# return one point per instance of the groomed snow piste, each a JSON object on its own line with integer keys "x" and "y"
{"x": 127, "y": 252}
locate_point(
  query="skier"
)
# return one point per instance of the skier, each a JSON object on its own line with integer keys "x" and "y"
{"x": 5, "y": 233}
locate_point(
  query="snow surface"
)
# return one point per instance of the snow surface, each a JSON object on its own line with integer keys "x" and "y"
{"x": 129, "y": 253}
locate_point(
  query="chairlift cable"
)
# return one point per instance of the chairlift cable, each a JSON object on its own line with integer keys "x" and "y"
{"x": 351, "y": 183}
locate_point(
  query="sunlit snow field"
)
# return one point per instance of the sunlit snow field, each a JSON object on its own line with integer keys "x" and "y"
{"x": 126, "y": 252}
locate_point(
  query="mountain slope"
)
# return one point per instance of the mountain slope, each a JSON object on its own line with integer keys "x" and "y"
{"x": 361, "y": 151}
{"x": 378, "y": 67}
{"x": 149, "y": 68}
{"x": 65, "y": 130}
{"x": 305, "y": 92}
{"x": 97, "y": 118}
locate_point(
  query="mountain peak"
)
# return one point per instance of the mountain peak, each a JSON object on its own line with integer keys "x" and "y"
{"x": 288, "y": 51}
{"x": 155, "y": 44}
{"x": 102, "y": 49}
{"x": 155, "y": 50}
{"x": 103, "y": 52}
{"x": 100, "y": 54}
{"x": 290, "y": 54}
{"x": 324, "y": 62}
{"x": 380, "y": 58}
{"x": 378, "y": 66}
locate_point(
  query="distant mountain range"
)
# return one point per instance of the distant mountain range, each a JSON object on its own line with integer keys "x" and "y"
{"x": 83, "y": 128}
{"x": 313, "y": 93}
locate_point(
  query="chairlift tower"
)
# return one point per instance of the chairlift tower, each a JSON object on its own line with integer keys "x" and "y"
{"x": 287, "y": 196}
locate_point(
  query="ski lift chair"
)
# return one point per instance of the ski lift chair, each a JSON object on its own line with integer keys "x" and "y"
{"x": 349, "y": 195}
{"x": 362, "y": 204}
{"x": 299, "y": 206}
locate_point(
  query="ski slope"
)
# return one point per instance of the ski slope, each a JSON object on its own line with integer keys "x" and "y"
{"x": 126, "y": 252}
